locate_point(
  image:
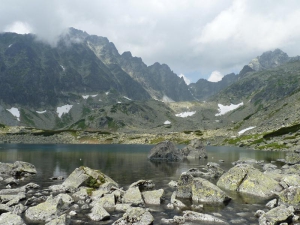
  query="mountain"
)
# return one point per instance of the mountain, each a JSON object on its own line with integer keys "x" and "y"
{"x": 203, "y": 89}
{"x": 35, "y": 74}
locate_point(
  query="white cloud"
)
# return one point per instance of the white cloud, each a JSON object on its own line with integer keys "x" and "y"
{"x": 18, "y": 27}
{"x": 215, "y": 76}
{"x": 193, "y": 37}
{"x": 186, "y": 80}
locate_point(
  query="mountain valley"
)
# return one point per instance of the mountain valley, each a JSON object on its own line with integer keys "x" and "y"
{"x": 84, "y": 88}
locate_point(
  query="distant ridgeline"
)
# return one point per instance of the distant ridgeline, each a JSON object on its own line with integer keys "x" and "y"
{"x": 83, "y": 82}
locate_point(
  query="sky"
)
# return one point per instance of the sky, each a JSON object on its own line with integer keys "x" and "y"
{"x": 195, "y": 38}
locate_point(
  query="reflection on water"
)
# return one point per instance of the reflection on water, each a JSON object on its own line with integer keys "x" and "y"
{"x": 123, "y": 163}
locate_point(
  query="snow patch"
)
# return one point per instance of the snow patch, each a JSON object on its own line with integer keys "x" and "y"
{"x": 243, "y": 131}
{"x": 63, "y": 109}
{"x": 186, "y": 80}
{"x": 41, "y": 112}
{"x": 63, "y": 67}
{"x": 107, "y": 93}
{"x": 127, "y": 98}
{"x": 119, "y": 102}
{"x": 185, "y": 114}
{"x": 223, "y": 109}
{"x": 87, "y": 96}
{"x": 167, "y": 122}
{"x": 15, "y": 112}
{"x": 9, "y": 45}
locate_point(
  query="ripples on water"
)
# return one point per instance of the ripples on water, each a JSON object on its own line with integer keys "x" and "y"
{"x": 128, "y": 163}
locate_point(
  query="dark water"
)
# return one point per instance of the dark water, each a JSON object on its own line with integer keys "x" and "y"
{"x": 128, "y": 163}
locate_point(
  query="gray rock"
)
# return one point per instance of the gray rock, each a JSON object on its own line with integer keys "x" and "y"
{"x": 165, "y": 151}
{"x": 143, "y": 184}
{"x": 21, "y": 168}
{"x": 292, "y": 158}
{"x": 12, "y": 199}
{"x": 4, "y": 208}
{"x": 122, "y": 207}
{"x": 107, "y": 202}
{"x": 290, "y": 196}
{"x": 135, "y": 215}
{"x": 246, "y": 179}
{"x": 133, "y": 196}
{"x": 196, "y": 216}
{"x": 175, "y": 202}
{"x": 89, "y": 177}
{"x": 206, "y": 192}
{"x": 98, "y": 213}
{"x": 153, "y": 197}
{"x": 277, "y": 215}
{"x": 11, "y": 219}
{"x": 195, "y": 150}
{"x": 172, "y": 184}
{"x": 272, "y": 204}
{"x": 44, "y": 211}
{"x": 62, "y": 220}
{"x": 184, "y": 186}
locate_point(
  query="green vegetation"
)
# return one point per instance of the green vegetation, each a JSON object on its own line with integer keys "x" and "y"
{"x": 282, "y": 131}
{"x": 92, "y": 183}
{"x": 27, "y": 118}
{"x": 80, "y": 124}
{"x": 157, "y": 140}
{"x": 272, "y": 146}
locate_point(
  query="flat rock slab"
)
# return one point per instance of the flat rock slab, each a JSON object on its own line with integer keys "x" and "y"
{"x": 277, "y": 215}
{"x": 133, "y": 196}
{"x": 153, "y": 197}
{"x": 98, "y": 213}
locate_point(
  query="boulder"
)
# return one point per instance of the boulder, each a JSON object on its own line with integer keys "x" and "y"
{"x": 11, "y": 219}
{"x": 107, "y": 202}
{"x": 201, "y": 217}
{"x": 143, "y": 184}
{"x": 17, "y": 169}
{"x": 165, "y": 151}
{"x": 62, "y": 220}
{"x": 206, "y": 192}
{"x": 184, "y": 186}
{"x": 195, "y": 150}
{"x": 246, "y": 179}
{"x": 290, "y": 180}
{"x": 153, "y": 197}
{"x": 292, "y": 158}
{"x": 98, "y": 213}
{"x": 89, "y": 177}
{"x": 290, "y": 196}
{"x": 44, "y": 211}
{"x": 4, "y": 208}
{"x": 21, "y": 168}
{"x": 175, "y": 202}
{"x": 277, "y": 215}
{"x": 133, "y": 196}
{"x": 135, "y": 215}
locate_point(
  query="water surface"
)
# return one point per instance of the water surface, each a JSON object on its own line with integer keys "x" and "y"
{"x": 128, "y": 163}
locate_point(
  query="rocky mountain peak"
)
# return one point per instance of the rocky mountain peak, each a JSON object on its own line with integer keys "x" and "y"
{"x": 269, "y": 59}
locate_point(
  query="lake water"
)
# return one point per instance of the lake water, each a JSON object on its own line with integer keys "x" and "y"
{"x": 128, "y": 163}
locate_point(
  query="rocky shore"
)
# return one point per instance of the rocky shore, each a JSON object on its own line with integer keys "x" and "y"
{"x": 88, "y": 196}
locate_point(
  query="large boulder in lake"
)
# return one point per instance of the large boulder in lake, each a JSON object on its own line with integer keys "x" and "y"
{"x": 88, "y": 177}
{"x": 165, "y": 151}
{"x": 246, "y": 179}
{"x": 206, "y": 192}
{"x": 195, "y": 150}
{"x": 17, "y": 169}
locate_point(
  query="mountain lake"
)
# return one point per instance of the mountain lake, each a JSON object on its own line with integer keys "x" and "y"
{"x": 128, "y": 163}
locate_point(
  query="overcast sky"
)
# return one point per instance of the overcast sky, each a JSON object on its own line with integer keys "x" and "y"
{"x": 197, "y": 38}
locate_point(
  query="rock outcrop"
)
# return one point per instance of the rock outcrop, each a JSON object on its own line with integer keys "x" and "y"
{"x": 165, "y": 151}
{"x": 195, "y": 150}
{"x": 246, "y": 179}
